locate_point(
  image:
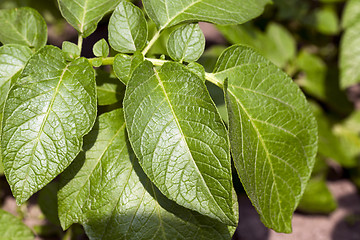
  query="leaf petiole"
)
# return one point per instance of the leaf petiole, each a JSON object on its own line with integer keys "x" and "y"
{"x": 152, "y": 41}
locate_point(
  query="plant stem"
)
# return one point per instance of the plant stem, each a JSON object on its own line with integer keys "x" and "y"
{"x": 211, "y": 78}
{"x": 80, "y": 42}
{"x": 152, "y": 41}
{"x": 105, "y": 61}
{"x": 158, "y": 62}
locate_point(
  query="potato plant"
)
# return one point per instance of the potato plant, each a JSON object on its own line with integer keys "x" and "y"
{"x": 158, "y": 165}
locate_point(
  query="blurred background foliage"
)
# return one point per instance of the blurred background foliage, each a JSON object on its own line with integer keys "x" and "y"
{"x": 303, "y": 37}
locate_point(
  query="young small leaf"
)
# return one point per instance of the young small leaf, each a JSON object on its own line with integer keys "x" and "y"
{"x": 123, "y": 203}
{"x": 180, "y": 139}
{"x": 48, "y": 111}
{"x": 101, "y": 48}
{"x": 12, "y": 227}
{"x": 127, "y": 28}
{"x": 23, "y": 26}
{"x": 71, "y": 50}
{"x": 86, "y": 14}
{"x": 186, "y": 43}
{"x": 273, "y": 133}
{"x": 124, "y": 65}
{"x": 169, "y": 13}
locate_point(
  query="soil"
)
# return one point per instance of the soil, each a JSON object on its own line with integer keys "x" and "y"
{"x": 342, "y": 224}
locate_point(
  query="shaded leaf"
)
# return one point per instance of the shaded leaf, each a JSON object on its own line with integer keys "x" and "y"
{"x": 123, "y": 203}
{"x": 127, "y": 28}
{"x": 187, "y": 43}
{"x": 169, "y": 13}
{"x": 12, "y": 228}
{"x": 273, "y": 134}
{"x": 86, "y": 14}
{"x": 48, "y": 111}
{"x": 47, "y": 201}
{"x": 109, "y": 89}
{"x": 23, "y": 26}
{"x": 179, "y": 138}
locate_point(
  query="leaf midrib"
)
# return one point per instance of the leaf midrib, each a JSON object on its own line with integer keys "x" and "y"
{"x": 97, "y": 163}
{"x": 37, "y": 139}
{"x": 184, "y": 139}
{"x": 268, "y": 158}
{"x": 177, "y": 14}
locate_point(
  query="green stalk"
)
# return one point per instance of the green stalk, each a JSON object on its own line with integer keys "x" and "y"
{"x": 158, "y": 62}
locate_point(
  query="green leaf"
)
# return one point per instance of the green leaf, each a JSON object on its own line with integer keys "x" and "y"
{"x": 348, "y": 133}
{"x": 197, "y": 69}
{"x": 47, "y": 201}
{"x": 48, "y": 111}
{"x": 13, "y": 58}
{"x": 12, "y": 228}
{"x": 97, "y": 62}
{"x": 179, "y": 138}
{"x": 124, "y": 65}
{"x": 277, "y": 43}
{"x": 330, "y": 145}
{"x": 169, "y": 13}
{"x": 86, "y": 14}
{"x": 23, "y": 26}
{"x": 127, "y": 28}
{"x": 351, "y": 14}
{"x": 327, "y": 21}
{"x": 350, "y": 56}
{"x": 71, "y": 49}
{"x": 124, "y": 204}
{"x": 101, "y": 48}
{"x": 273, "y": 133}
{"x": 109, "y": 89}
{"x": 187, "y": 43}
{"x": 317, "y": 198}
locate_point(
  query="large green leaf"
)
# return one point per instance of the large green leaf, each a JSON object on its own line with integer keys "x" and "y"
{"x": 107, "y": 191}
{"x": 169, "y": 13}
{"x": 349, "y": 48}
{"x": 179, "y": 138}
{"x": 12, "y": 228}
{"x": 273, "y": 134}
{"x": 351, "y": 13}
{"x": 48, "y": 111}
{"x": 84, "y": 15}
{"x": 187, "y": 43}
{"x": 23, "y": 26}
{"x": 127, "y": 28}
{"x": 350, "y": 56}
{"x": 12, "y": 60}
